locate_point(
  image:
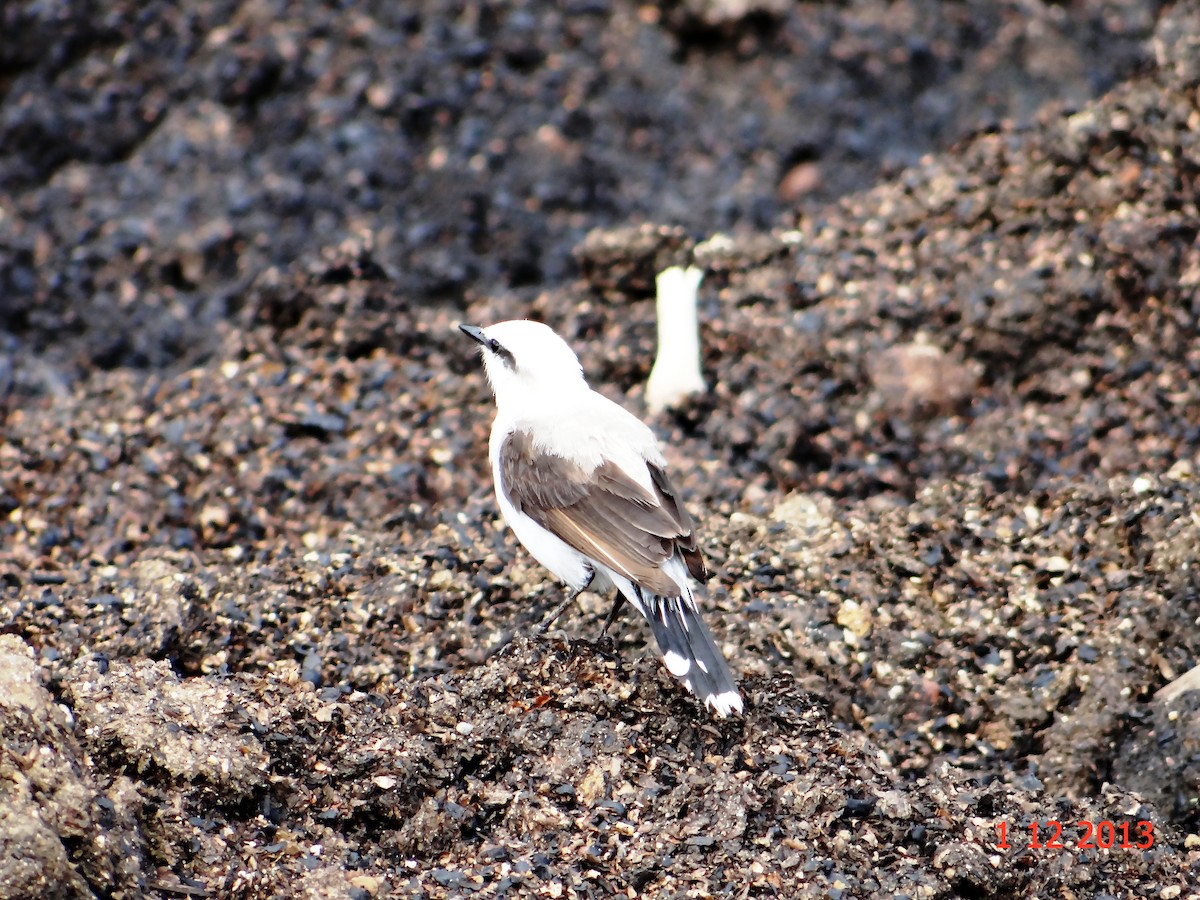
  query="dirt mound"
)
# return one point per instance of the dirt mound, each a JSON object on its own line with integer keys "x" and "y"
{"x": 265, "y": 633}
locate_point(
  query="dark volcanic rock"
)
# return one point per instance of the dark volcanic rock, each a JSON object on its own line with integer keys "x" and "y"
{"x": 557, "y": 767}
{"x": 61, "y": 835}
{"x": 265, "y": 633}
{"x": 156, "y": 157}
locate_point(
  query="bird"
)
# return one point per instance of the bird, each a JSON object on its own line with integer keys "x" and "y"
{"x": 583, "y": 485}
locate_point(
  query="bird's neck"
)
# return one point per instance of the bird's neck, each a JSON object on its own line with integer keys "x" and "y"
{"x": 542, "y": 401}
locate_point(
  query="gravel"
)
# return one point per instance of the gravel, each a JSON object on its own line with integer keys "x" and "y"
{"x": 264, "y": 633}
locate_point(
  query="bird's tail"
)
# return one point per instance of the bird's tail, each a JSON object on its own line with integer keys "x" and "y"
{"x": 689, "y": 651}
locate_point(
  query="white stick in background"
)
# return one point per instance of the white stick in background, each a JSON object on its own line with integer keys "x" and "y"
{"x": 676, "y": 372}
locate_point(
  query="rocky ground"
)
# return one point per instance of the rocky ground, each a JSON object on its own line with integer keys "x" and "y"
{"x": 264, "y": 634}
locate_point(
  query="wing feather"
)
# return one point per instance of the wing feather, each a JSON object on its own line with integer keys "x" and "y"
{"x": 604, "y": 513}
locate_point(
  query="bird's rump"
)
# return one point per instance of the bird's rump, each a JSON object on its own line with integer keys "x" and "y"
{"x": 603, "y": 513}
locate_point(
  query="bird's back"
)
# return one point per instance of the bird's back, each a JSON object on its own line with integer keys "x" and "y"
{"x": 588, "y": 428}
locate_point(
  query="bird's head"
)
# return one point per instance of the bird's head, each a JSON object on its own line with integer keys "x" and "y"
{"x": 526, "y": 360}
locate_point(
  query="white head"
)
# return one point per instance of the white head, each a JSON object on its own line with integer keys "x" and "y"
{"x": 526, "y": 360}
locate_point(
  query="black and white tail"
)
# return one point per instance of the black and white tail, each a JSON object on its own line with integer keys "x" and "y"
{"x": 689, "y": 651}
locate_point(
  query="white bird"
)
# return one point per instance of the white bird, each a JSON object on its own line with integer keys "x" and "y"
{"x": 583, "y": 485}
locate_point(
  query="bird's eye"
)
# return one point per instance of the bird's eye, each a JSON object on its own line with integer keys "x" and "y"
{"x": 502, "y": 353}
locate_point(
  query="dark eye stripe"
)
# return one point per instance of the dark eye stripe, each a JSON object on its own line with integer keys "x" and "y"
{"x": 503, "y": 352}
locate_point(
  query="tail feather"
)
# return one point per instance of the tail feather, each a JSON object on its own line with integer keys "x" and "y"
{"x": 690, "y": 652}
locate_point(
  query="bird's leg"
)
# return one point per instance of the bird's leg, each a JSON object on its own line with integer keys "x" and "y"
{"x": 571, "y": 595}
{"x": 557, "y": 611}
{"x": 612, "y": 614}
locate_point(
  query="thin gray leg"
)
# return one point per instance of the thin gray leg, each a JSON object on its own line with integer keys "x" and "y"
{"x": 557, "y": 611}
{"x": 612, "y": 613}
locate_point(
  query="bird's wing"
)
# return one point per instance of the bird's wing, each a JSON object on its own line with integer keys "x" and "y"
{"x": 604, "y": 514}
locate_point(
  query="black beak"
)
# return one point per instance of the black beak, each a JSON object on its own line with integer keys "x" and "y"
{"x": 474, "y": 332}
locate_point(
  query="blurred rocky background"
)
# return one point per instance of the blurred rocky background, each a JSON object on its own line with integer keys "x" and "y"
{"x": 264, "y": 633}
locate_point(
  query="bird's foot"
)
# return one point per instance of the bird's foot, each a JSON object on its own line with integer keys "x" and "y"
{"x": 502, "y": 647}
{"x": 612, "y": 615}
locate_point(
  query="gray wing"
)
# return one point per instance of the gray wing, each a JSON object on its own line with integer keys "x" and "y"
{"x": 603, "y": 514}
